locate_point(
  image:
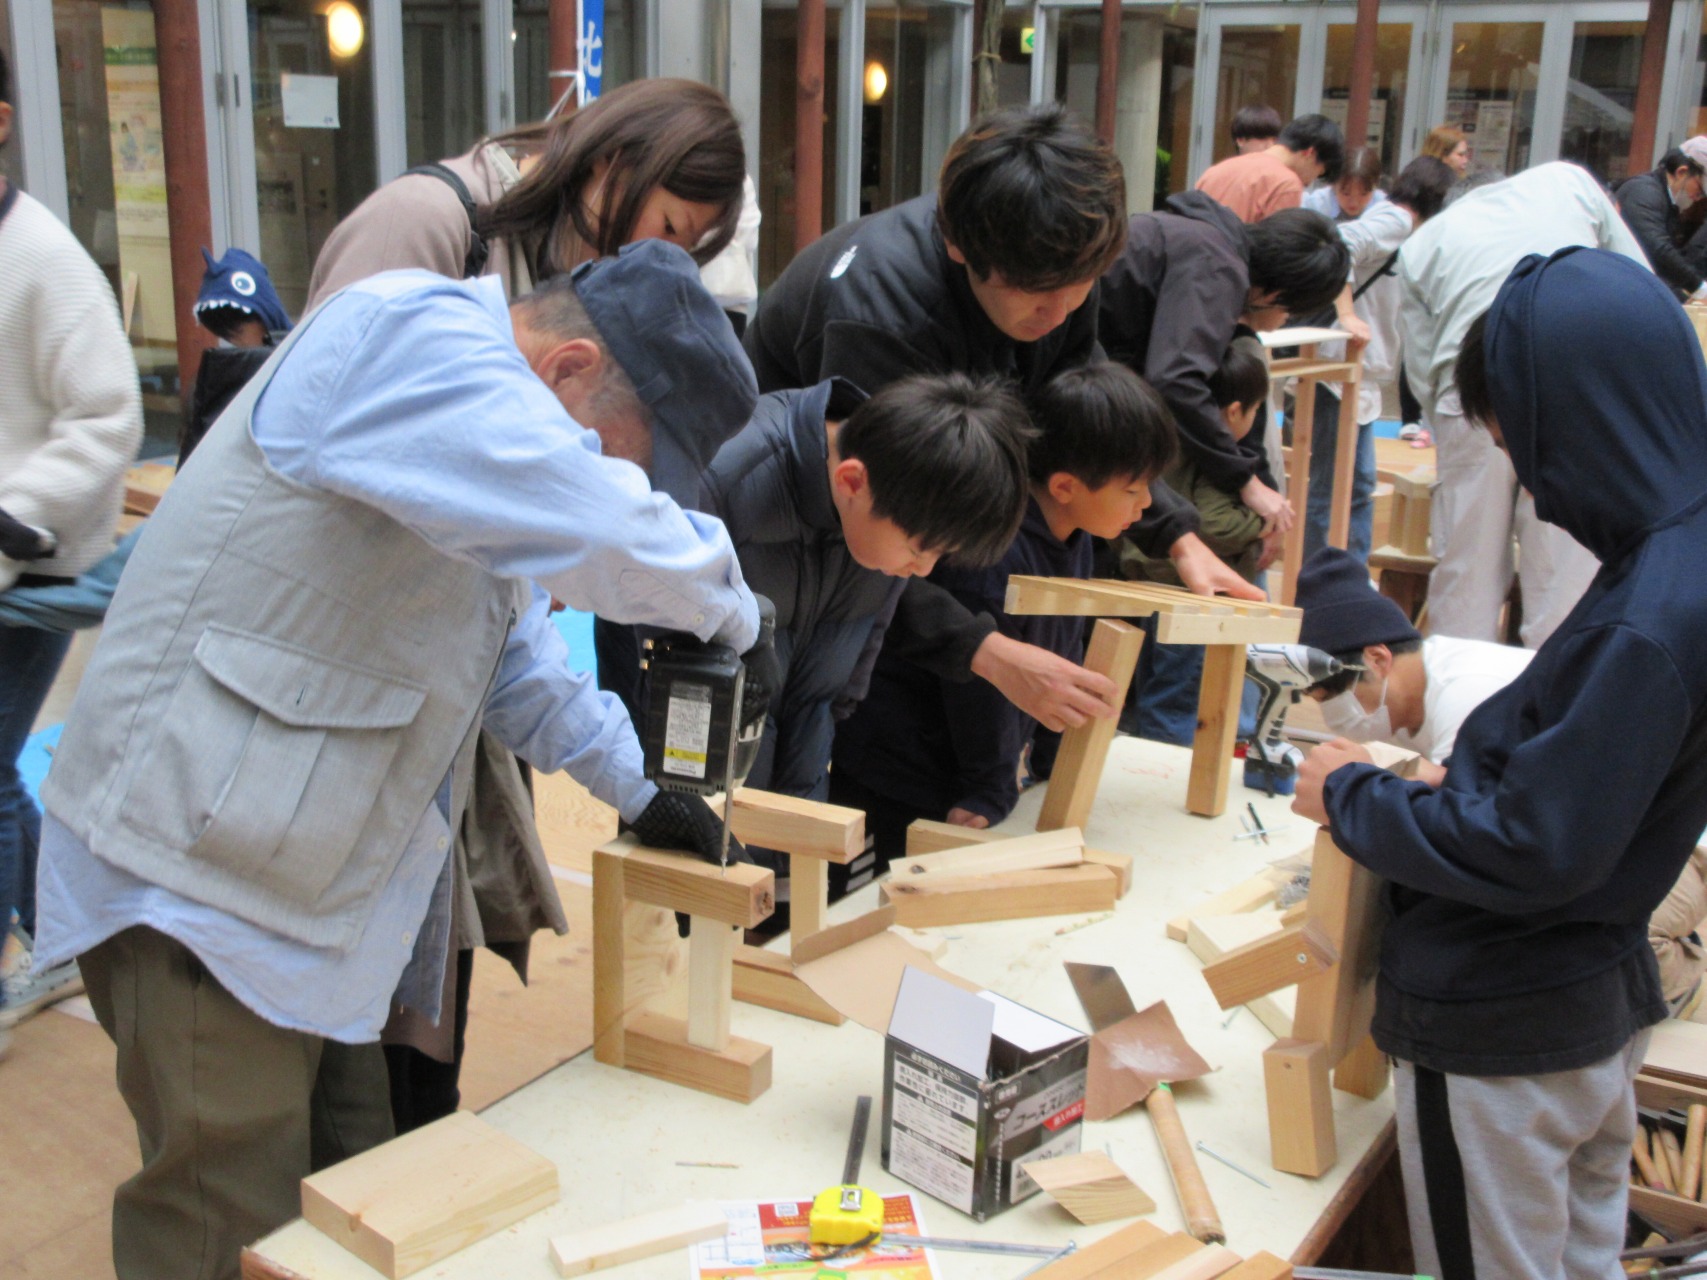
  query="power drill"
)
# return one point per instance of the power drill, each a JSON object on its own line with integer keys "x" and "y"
{"x": 691, "y": 738}
{"x": 1282, "y": 672}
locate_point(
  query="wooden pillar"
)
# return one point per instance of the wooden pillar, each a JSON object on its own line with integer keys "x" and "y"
{"x": 1108, "y": 69}
{"x": 1362, "y": 73}
{"x": 809, "y": 124}
{"x": 988, "y": 57}
{"x": 188, "y": 204}
{"x": 565, "y": 20}
{"x": 1646, "y": 117}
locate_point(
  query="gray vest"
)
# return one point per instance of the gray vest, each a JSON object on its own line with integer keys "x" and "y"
{"x": 283, "y": 681}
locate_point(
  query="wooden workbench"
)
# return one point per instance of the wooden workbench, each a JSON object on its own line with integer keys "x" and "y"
{"x": 617, "y": 1136}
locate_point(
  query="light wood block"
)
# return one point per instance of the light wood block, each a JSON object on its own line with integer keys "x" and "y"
{"x": 1247, "y": 895}
{"x": 1212, "y": 937}
{"x": 1014, "y": 895}
{"x": 766, "y": 978}
{"x": 1345, "y": 463}
{"x": 1101, "y": 1258}
{"x": 1217, "y": 728}
{"x": 1268, "y": 964}
{"x": 610, "y": 959}
{"x": 1064, "y": 848}
{"x": 1678, "y": 1051}
{"x": 711, "y": 963}
{"x": 1072, "y": 789}
{"x": 1409, "y": 528}
{"x": 1090, "y": 1186}
{"x": 808, "y": 828}
{"x": 808, "y": 897}
{"x": 741, "y": 893}
{"x": 1300, "y": 1108}
{"x": 1335, "y": 1006}
{"x": 1261, "y": 1265}
{"x": 837, "y": 936}
{"x": 1206, "y": 1264}
{"x": 925, "y": 836}
{"x": 1364, "y": 1071}
{"x": 1671, "y": 1212}
{"x": 1181, "y": 617}
{"x": 657, "y": 1045}
{"x": 1156, "y": 1259}
{"x": 645, "y": 1236}
{"x": 423, "y": 1196}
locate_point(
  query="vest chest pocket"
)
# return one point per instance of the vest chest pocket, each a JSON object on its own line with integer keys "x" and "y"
{"x": 269, "y": 760}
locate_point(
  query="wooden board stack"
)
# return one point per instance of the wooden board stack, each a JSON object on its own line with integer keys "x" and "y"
{"x": 1143, "y": 1251}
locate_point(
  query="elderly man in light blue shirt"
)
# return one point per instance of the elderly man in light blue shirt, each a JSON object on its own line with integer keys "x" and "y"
{"x": 248, "y": 823}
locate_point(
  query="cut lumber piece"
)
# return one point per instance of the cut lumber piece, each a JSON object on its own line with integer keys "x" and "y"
{"x": 1364, "y": 1071}
{"x": 767, "y": 978}
{"x": 1013, "y": 895}
{"x": 809, "y": 828}
{"x": 1335, "y": 1005}
{"x": 1315, "y": 367}
{"x": 1154, "y": 1259}
{"x": 837, "y": 936}
{"x": 1300, "y": 1108}
{"x": 1247, "y": 895}
{"x": 610, "y": 961}
{"x": 1100, "y": 1257}
{"x": 1678, "y": 1051}
{"x": 1090, "y": 1186}
{"x": 740, "y": 894}
{"x": 711, "y": 964}
{"x": 1663, "y": 1094}
{"x": 1072, "y": 788}
{"x": 1119, "y": 863}
{"x": 808, "y": 897}
{"x": 1205, "y": 1264}
{"x": 1282, "y": 627}
{"x": 1268, "y": 964}
{"x": 925, "y": 836}
{"x": 1217, "y": 726}
{"x": 1181, "y": 617}
{"x": 421, "y": 1197}
{"x": 1692, "y": 1147}
{"x": 657, "y": 1045}
{"x": 1212, "y": 937}
{"x": 645, "y": 1236}
{"x": 1261, "y": 1265}
{"x": 1345, "y": 462}
{"x": 1064, "y": 848}
{"x": 1669, "y": 1212}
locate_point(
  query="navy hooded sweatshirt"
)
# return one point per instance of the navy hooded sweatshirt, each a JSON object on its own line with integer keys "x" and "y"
{"x": 1520, "y": 890}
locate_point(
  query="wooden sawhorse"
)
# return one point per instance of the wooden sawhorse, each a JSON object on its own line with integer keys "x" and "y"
{"x": 1222, "y": 624}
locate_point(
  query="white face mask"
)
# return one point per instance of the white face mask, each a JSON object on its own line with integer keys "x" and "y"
{"x": 1345, "y": 715}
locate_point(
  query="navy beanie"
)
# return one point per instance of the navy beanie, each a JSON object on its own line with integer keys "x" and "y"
{"x": 1343, "y": 612}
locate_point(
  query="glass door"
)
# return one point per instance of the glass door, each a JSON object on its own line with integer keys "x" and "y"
{"x": 1398, "y": 72}
{"x": 1600, "y": 96}
{"x": 444, "y": 78}
{"x": 1254, "y": 53}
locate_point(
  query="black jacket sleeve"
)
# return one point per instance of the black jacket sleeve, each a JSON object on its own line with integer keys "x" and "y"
{"x": 934, "y": 630}
{"x": 1647, "y": 209}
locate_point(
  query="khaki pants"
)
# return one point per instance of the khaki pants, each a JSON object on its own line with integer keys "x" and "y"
{"x": 231, "y": 1112}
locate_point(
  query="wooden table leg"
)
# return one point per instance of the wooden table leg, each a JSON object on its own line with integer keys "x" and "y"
{"x": 1345, "y": 470}
{"x": 1298, "y": 481}
{"x": 1113, "y": 652}
{"x": 1217, "y": 727}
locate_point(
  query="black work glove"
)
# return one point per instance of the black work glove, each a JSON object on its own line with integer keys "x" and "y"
{"x": 763, "y": 684}
{"x": 675, "y": 820}
{"x": 20, "y": 541}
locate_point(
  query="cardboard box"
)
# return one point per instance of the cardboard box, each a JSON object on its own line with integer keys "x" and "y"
{"x": 973, "y": 1085}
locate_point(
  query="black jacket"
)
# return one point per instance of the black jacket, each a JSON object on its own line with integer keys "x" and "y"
{"x": 1521, "y": 889}
{"x": 1168, "y": 309}
{"x": 1649, "y": 212}
{"x": 878, "y": 299}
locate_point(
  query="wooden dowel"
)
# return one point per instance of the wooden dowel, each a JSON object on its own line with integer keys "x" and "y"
{"x": 1673, "y": 1151}
{"x": 1645, "y": 1162}
{"x": 1201, "y": 1218}
{"x": 1692, "y": 1142}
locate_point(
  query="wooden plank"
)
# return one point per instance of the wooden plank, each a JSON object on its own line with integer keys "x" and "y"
{"x": 657, "y": 1045}
{"x": 1261, "y": 1265}
{"x": 1268, "y": 964}
{"x": 1345, "y": 463}
{"x": 1182, "y": 618}
{"x": 808, "y": 896}
{"x": 925, "y": 836}
{"x": 740, "y": 894}
{"x": 1205, "y": 1264}
{"x": 1064, "y": 848}
{"x": 1113, "y": 652}
{"x": 1119, "y": 863}
{"x": 1663, "y": 1095}
{"x": 766, "y": 978}
{"x": 1212, "y": 937}
{"x": 1300, "y": 1107}
{"x": 837, "y": 936}
{"x": 1100, "y": 1257}
{"x": 1014, "y": 895}
{"x": 1364, "y": 1071}
{"x": 646, "y": 1236}
{"x": 1314, "y": 367}
{"x": 1336, "y": 1005}
{"x": 1298, "y": 486}
{"x": 711, "y": 965}
{"x": 1154, "y": 1259}
{"x": 423, "y": 1196}
{"x": 1090, "y": 1186}
{"x": 809, "y": 828}
{"x": 1247, "y": 895}
{"x": 1678, "y": 1051}
{"x": 1669, "y": 1212}
{"x": 1217, "y": 727}
{"x": 610, "y": 1001}
{"x": 1281, "y": 628}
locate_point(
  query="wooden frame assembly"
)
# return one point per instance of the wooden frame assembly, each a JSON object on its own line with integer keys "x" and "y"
{"x": 1222, "y": 624}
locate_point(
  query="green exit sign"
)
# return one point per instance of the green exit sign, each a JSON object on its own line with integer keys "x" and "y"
{"x": 1028, "y": 40}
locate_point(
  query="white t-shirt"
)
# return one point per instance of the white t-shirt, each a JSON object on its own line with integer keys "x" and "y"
{"x": 1462, "y": 674}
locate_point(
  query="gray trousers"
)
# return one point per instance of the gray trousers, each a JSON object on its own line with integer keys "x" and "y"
{"x": 231, "y": 1112}
{"x": 1518, "y": 1177}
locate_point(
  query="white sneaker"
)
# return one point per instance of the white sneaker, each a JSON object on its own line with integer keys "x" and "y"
{"x": 29, "y": 989}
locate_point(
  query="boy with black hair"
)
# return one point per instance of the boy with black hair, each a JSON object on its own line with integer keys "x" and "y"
{"x": 1254, "y": 128}
{"x": 832, "y": 500}
{"x": 1258, "y": 183}
{"x": 921, "y": 746}
{"x": 1516, "y": 985}
{"x": 995, "y": 274}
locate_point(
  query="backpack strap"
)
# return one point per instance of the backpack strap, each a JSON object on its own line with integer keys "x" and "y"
{"x": 475, "y": 261}
{"x": 1385, "y": 270}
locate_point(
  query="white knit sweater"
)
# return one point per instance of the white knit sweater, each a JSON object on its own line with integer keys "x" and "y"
{"x": 70, "y": 407}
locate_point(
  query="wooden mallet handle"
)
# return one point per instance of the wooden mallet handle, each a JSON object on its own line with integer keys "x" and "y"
{"x": 1201, "y": 1219}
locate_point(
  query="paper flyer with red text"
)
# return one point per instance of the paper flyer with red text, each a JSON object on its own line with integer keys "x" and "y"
{"x": 769, "y": 1238}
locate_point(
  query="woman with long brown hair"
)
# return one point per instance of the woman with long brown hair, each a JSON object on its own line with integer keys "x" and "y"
{"x": 1450, "y": 145}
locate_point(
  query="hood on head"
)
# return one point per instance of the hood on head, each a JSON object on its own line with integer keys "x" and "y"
{"x": 1200, "y": 207}
{"x": 1597, "y": 379}
{"x": 238, "y": 279}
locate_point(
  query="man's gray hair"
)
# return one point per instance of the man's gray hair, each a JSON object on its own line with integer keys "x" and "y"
{"x": 554, "y": 310}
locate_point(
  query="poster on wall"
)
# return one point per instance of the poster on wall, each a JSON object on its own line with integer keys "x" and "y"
{"x": 1493, "y": 134}
{"x": 1337, "y": 109}
{"x": 133, "y": 122}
